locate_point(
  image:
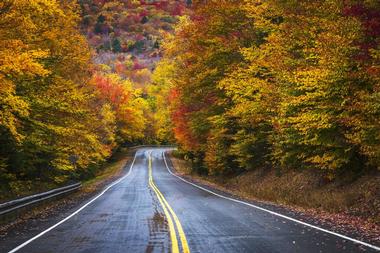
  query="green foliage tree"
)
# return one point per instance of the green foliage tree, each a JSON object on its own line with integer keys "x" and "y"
{"x": 116, "y": 45}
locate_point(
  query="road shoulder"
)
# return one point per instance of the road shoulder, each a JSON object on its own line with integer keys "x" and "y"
{"x": 354, "y": 227}
{"x": 44, "y": 216}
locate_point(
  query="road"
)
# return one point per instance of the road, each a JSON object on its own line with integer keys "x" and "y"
{"x": 152, "y": 210}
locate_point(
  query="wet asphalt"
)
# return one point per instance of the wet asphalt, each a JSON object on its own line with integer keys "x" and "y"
{"x": 129, "y": 218}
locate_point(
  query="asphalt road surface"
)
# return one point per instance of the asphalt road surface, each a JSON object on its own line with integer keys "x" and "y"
{"x": 152, "y": 210}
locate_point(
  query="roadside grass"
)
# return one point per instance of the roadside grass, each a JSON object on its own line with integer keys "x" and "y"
{"x": 110, "y": 170}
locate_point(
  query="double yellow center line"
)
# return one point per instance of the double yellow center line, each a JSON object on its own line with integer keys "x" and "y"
{"x": 170, "y": 215}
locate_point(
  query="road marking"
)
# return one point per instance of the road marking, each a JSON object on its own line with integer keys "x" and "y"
{"x": 272, "y": 212}
{"x": 165, "y": 204}
{"x": 77, "y": 211}
{"x": 173, "y": 236}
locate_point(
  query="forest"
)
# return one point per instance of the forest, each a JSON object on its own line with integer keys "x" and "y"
{"x": 276, "y": 84}
{"x": 74, "y": 85}
{"x": 237, "y": 85}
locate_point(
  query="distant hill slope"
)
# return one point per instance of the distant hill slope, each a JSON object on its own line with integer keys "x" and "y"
{"x": 127, "y": 34}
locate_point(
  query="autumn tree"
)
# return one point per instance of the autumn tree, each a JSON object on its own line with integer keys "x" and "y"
{"x": 159, "y": 91}
{"x": 18, "y": 59}
{"x": 318, "y": 81}
{"x": 277, "y": 84}
{"x": 47, "y": 130}
{"x": 205, "y": 48}
{"x": 126, "y": 103}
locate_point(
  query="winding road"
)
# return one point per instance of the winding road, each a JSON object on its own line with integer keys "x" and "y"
{"x": 152, "y": 210}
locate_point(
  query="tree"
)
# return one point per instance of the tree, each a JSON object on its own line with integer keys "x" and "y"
{"x": 126, "y": 103}
{"x": 47, "y": 107}
{"x": 159, "y": 91}
{"x": 277, "y": 84}
{"x": 205, "y": 48}
{"x": 116, "y": 45}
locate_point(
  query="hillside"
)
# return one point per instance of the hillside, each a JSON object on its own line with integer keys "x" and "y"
{"x": 127, "y": 35}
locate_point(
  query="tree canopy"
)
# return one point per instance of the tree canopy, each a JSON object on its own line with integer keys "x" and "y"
{"x": 277, "y": 84}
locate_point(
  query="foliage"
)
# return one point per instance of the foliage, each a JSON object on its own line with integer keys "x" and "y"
{"x": 285, "y": 84}
{"x": 242, "y": 84}
{"x": 126, "y": 103}
{"x": 128, "y": 28}
{"x": 127, "y": 36}
{"x": 159, "y": 90}
{"x": 57, "y": 118}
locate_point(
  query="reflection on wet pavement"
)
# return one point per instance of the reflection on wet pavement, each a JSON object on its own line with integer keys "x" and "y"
{"x": 158, "y": 230}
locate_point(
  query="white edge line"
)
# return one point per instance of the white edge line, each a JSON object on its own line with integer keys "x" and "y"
{"x": 77, "y": 211}
{"x": 272, "y": 212}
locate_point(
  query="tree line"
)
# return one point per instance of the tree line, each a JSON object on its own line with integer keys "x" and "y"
{"x": 275, "y": 84}
{"x": 60, "y": 115}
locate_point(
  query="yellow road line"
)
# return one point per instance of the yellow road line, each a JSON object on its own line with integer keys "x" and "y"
{"x": 185, "y": 246}
{"x": 179, "y": 226}
{"x": 173, "y": 236}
